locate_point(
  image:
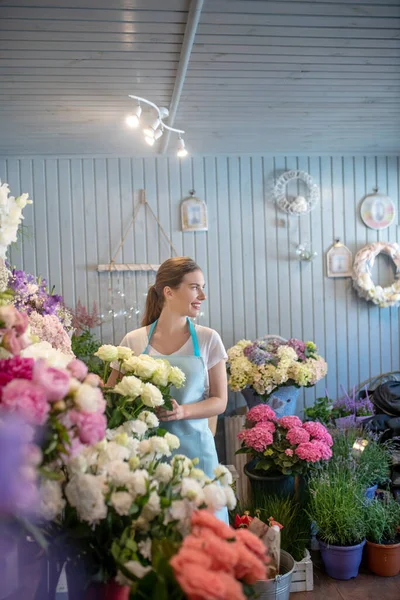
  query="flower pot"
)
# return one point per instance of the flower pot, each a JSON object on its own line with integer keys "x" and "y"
{"x": 283, "y": 400}
{"x": 345, "y": 422}
{"x": 107, "y": 591}
{"x": 370, "y": 492}
{"x": 383, "y": 559}
{"x": 362, "y": 420}
{"x": 278, "y": 588}
{"x": 276, "y": 484}
{"x": 341, "y": 562}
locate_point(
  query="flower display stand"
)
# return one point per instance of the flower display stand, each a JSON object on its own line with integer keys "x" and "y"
{"x": 303, "y": 576}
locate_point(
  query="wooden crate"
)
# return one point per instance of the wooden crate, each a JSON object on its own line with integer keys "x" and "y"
{"x": 303, "y": 578}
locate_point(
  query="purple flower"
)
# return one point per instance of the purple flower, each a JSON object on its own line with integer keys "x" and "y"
{"x": 298, "y": 346}
{"x": 257, "y": 353}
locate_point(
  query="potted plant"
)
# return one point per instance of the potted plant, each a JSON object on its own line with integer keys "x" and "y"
{"x": 383, "y": 538}
{"x": 374, "y": 466}
{"x": 364, "y": 409}
{"x": 336, "y": 506}
{"x": 321, "y": 411}
{"x": 272, "y": 371}
{"x": 281, "y": 450}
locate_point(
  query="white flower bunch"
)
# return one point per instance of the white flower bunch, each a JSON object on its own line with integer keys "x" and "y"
{"x": 10, "y": 216}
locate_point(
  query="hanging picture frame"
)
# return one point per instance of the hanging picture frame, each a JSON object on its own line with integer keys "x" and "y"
{"x": 339, "y": 261}
{"x": 377, "y": 210}
{"x": 194, "y": 214}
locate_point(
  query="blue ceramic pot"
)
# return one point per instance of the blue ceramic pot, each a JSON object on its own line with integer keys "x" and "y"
{"x": 341, "y": 562}
{"x": 370, "y": 492}
{"x": 283, "y": 400}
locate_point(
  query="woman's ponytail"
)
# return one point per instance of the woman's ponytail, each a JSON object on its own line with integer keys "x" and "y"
{"x": 153, "y": 307}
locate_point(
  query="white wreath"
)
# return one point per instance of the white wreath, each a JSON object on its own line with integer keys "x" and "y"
{"x": 362, "y": 279}
{"x": 299, "y": 205}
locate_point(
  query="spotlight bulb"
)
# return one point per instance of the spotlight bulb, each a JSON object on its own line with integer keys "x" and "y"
{"x": 132, "y": 121}
{"x": 156, "y": 124}
{"x": 149, "y": 140}
{"x": 182, "y": 152}
{"x": 148, "y": 132}
{"x": 158, "y": 134}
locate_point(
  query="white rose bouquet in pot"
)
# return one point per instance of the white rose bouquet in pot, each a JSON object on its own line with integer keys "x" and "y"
{"x": 146, "y": 383}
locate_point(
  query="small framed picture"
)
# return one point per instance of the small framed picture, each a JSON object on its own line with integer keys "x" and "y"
{"x": 339, "y": 261}
{"x": 194, "y": 214}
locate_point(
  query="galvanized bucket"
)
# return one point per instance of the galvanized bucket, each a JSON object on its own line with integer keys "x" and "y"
{"x": 278, "y": 588}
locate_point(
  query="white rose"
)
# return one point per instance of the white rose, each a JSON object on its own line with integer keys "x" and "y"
{"x": 176, "y": 377}
{"x": 160, "y": 446}
{"x": 129, "y": 386}
{"x": 151, "y": 396}
{"x": 51, "y": 500}
{"x": 152, "y": 508}
{"x": 137, "y": 569}
{"x": 143, "y": 366}
{"x": 192, "y": 490}
{"x": 144, "y": 548}
{"x": 137, "y": 484}
{"x": 88, "y": 398}
{"x": 172, "y": 441}
{"x": 85, "y": 493}
{"x": 149, "y": 418}
{"x": 223, "y": 475}
{"x": 107, "y": 353}
{"x": 160, "y": 376}
{"x": 163, "y": 473}
{"x": 122, "y": 502}
{"x": 214, "y": 496}
{"x": 123, "y": 353}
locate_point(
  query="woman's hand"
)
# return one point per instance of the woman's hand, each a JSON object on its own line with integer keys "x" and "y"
{"x": 176, "y": 414}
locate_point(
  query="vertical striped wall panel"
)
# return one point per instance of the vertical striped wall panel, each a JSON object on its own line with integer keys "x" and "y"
{"x": 255, "y": 283}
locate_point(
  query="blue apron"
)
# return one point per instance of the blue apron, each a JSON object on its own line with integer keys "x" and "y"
{"x": 196, "y": 439}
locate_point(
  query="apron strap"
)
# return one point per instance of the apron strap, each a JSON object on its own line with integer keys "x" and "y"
{"x": 193, "y": 335}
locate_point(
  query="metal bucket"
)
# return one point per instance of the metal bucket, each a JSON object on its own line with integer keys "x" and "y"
{"x": 278, "y": 588}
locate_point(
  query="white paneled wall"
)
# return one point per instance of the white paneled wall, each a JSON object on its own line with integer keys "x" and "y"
{"x": 255, "y": 283}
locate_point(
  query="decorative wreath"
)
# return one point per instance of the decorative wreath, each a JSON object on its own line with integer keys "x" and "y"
{"x": 298, "y": 205}
{"x": 362, "y": 279}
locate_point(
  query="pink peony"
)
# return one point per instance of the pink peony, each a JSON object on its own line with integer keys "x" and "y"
{"x": 55, "y": 382}
{"x": 261, "y": 412}
{"x": 257, "y": 437}
{"x": 91, "y": 426}
{"x": 309, "y": 452}
{"x": 290, "y": 422}
{"x": 319, "y": 432}
{"x": 8, "y": 316}
{"x": 26, "y": 399}
{"x": 93, "y": 380}
{"x": 297, "y": 435}
{"x": 15, "y": 368}
{"x": 289, "y": 452}
{"x": 78, "y": 369}
{"x": 323, "y": 449}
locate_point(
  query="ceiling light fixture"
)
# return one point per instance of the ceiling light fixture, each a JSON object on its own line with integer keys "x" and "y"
{"x": 153, "y": 133}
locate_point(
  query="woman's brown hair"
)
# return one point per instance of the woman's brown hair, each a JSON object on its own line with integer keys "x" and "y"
{"x": 171, "y": 274}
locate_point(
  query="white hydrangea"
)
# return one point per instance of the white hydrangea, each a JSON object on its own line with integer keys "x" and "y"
{"x": 85, "y": 493}
{"x": 151, "y": 395}
{"x": 122, "y": 502}
{"x": 163, "y": 473}
{"x": 149, "y": 418}
{"x": 51, "y": 500}
{"x": 172, "y": 441}
{"x": 107, "y": 353}
{"x": 223, "y": 475}
{"x": 129, "y": 386}
{"x": 214, "y": 496}
{"x": 192, "y": 490}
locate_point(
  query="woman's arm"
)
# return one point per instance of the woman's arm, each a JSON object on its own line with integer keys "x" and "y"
{"x": 211, "y": 407}
{"x": 114, "y": 376}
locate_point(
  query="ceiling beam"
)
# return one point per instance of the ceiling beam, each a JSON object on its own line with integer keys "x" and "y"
{"x": 195, "y": 9}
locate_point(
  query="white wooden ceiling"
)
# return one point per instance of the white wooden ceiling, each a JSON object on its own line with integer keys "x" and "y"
{"x": 264, "y": 76}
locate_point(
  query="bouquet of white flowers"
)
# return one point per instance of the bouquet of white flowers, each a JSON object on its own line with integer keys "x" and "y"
{"x": 10, "y": 216}
{"x": 146, "y": 383}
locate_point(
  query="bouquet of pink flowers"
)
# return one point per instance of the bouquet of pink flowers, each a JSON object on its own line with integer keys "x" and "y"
{"x": 285, "y": 445}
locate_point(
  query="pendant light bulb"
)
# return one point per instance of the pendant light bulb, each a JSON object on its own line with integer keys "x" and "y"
{"x": 182, "y": 152}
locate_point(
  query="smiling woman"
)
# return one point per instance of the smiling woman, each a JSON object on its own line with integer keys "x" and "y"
{"x": 198, "y": 351}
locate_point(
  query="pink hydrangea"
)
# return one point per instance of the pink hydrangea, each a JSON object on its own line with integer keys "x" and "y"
{"x": 289, "y": 452}
{"x": 309, "y": 452}
{"x": 290, "y": 422}
{"x": 91, "y": 426}
{"x": 48, "y": 328}
{"x": 55, "y": 382}
{"x": 258, "y": 437}
{"x": 297, "y": 435}
{"x": 261, "y": 412}
{"x": 26, "y": 399}
{"x": 78, "y": 369}
{"x": 323, "y": 449}
{"x": 318, "y": 432}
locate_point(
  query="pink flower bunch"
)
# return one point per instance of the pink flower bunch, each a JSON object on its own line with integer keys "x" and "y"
{"x": 13, "y": 325}
{"x": 285, "y": 445}
{"x": 15, "y": 368}
{"x": 48, "y": 328}
{"x": 214, "y": 559}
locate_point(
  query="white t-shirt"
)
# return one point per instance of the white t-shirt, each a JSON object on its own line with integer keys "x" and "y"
{"x": 212, "y": 349}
